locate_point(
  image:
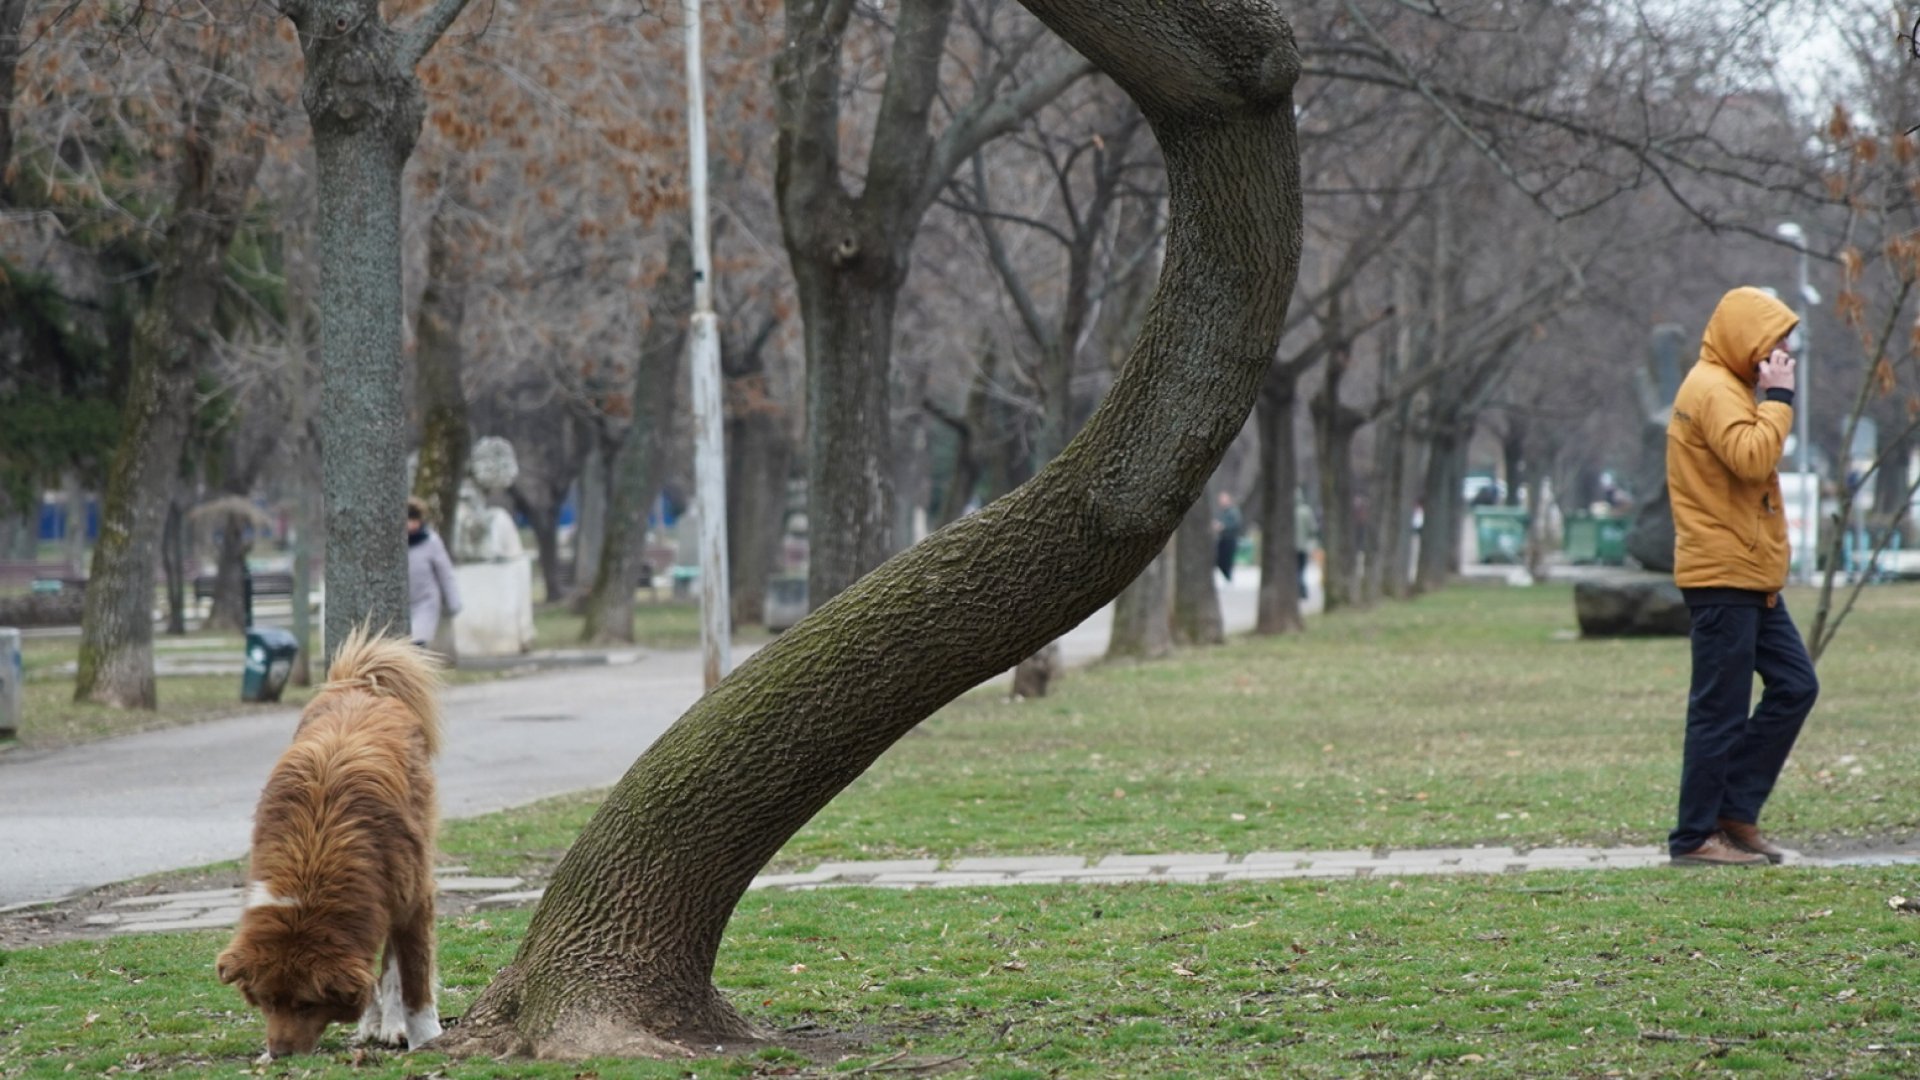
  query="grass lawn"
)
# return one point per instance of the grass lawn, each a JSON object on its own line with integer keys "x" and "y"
{"x": 657, "y": 624}
{"x": 1466, "y": 717}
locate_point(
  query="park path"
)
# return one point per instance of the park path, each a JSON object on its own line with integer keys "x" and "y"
{"x": 86, "y": 816}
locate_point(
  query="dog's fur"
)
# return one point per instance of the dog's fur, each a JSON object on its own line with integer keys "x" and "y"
{"x": 342, "y": 860}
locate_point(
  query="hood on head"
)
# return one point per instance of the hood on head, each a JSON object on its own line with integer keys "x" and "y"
{"x": 1743, "y": 330}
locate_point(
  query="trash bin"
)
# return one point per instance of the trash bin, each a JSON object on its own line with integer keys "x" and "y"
{"x": 270, "y": 654}
{"x": 1501, "y": 533}
{"x": 1583, "y": 538}
{"x": 1610, "y": 540}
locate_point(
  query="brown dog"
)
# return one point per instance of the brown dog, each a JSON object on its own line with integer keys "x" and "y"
{"x": 342, "y": 860}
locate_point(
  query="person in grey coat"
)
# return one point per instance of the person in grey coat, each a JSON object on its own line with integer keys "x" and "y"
{"x": 430, "y": 581}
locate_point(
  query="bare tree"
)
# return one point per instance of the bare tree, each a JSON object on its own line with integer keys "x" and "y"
{"x": 365, "y": 104}
{"x": 220, "y": 154}
{"x": 619, "y": 957}
{"x": 850, "y": 252}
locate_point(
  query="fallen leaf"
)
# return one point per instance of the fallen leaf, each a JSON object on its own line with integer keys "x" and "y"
{"x": 1472, "y": 1058}
{"x": 1237, "y": 817}
{"x": 797, "y": 969}
{"x": 1846, "y": 994}
{"x": 1015, "y": 965}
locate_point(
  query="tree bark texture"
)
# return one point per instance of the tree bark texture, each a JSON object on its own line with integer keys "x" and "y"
{"x": 366, "y": 108}
{"x": 759, "y": 453}
{"x": 1196, "y": 604}
{"x": 619, "y": 956}
{"x": 1443, "y": 506}
{"x": 173, "y": 556}
{"x": 1143, "y": 614}
{"x": 169, "y": 343}
{"x": 228, "y": 610}
{"x": 12, "y": 14}
{"x": 446, "y": 434}
{"x": 639, "y": 462}
{"x": 1278, "y": 610}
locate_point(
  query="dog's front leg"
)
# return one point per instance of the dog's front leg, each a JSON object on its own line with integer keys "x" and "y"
{"x": 385, "y": 1020}
{"x": 413, "y": 952}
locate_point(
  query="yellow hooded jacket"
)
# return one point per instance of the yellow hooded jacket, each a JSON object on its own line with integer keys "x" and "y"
{"x": 1729, "y": 528}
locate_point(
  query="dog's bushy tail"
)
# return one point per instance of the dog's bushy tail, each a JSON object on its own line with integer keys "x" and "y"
{"x": 390, "y": 667}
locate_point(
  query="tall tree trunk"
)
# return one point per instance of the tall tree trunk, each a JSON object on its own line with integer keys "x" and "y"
{"x": 74, "y": 537}
{"x": 229, "y": 609}
{"x": 1334, "y": 428}
{"x": 1441, "y": 505}
{"x": 169, "y": 343}
{"x": 366, "y": 107}
{"x": 849, "y": 329}
{"x": 639, "y": 463}
{"x": 304, "y": 520}
{"x": 446, "y": 435}
{"x": 1393, "y": 510}
{"x": 619, "y": 955}
{"x": 173, "y": 556}
{"x": 1196, "y": 604}
{"x": 544, "y": 520}
{"x": 1143, "y": 614}
{"x": 758, "y": 456}
{"x": 1279, "y": 600}
{"x": 590, "y": 518}
{"x": 12, "y": 14}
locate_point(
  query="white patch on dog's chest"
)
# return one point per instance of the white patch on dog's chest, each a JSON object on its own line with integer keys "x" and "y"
{"x": 260, "y": 894}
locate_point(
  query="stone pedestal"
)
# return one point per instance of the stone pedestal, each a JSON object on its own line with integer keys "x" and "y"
{"x": 496, "y": 613}
{"x": 1646, "y": 606}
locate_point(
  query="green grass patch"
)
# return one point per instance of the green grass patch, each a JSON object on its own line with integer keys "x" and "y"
{"x": 1469, "y": 716}
{"x": 1574, "y": 974}
{"x": 657, "y": 624}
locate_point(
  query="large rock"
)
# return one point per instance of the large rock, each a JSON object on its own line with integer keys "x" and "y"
{"x": 1648, "y": 606}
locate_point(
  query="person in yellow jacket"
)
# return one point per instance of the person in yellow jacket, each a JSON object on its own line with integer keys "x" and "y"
{"x": 1730, "y": 562}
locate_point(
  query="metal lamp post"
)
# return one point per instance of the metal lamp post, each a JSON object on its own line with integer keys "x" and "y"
{"x": 709, "y": 462}
{"x": 1810, "y": 490}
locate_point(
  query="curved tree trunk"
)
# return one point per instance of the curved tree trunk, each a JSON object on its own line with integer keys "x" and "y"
{"x": 1196, "y": 604}
{"x": 445, "y": 433}
{"x": 116, "y": 643}
{"x": 1279, "y": 602}
{"x": 640, "y": 461}
{"x": 366, "y": 108}
{"x": 619, "y": 956}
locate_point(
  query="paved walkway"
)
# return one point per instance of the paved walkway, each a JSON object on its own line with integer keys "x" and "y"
{"x": 207, "y": 909}
{"x": 86, "y": 816}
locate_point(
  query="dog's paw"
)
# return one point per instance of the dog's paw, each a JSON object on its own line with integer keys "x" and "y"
{"x": 377, "y": 1029}
{"x": 423, "y": 1026}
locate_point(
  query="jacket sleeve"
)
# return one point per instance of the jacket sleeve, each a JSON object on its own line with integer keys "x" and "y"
{"x": 1747, "y": 440}
{"x": 449, "y": 583}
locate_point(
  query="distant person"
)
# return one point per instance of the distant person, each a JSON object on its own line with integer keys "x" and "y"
{"x": 430, "y": 582}
{"x": 1730, "y": 561}
{"x": 1226, "y": 535}
{"x": 1306, "y": 537}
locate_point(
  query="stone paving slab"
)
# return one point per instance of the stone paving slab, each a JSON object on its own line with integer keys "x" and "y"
{"x": 879, "y": 866}
{"x": 1160, "y": 862}
{"x": 1014, "y": 864}
{"x": 479, "y": 884}
{"x": 510, "y": 899}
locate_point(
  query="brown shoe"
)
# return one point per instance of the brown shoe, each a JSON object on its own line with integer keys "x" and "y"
{"x": 1746, "y": 836}
{"x": 1720, "y": 851}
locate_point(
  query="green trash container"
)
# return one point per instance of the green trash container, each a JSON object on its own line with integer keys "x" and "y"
{"x": 1501, "y": 532}
{"x": 1610, "y": 540}
{"x": 270, "y": 654}
{"x": 1583, "y": 538}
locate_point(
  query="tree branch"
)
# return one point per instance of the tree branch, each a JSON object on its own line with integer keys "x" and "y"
{"x": 990, "y": 115}
{"x": 417, "y": 40}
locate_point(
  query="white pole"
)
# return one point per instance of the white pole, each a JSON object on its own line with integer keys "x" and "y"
{"x": 709, "y": 461}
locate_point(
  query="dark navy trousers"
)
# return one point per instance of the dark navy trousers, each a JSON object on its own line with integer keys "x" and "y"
{"x": 1732, "y": 758}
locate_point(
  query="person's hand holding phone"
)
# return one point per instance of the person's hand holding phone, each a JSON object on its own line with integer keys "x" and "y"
{"x": 1776, "y": 371}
